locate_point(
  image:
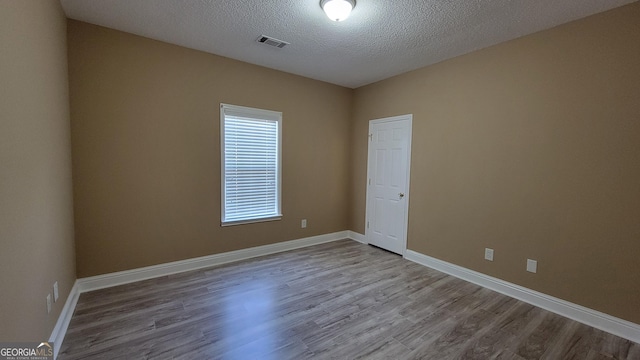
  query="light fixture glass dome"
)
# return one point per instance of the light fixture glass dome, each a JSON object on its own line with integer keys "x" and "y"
{"x": 337, "y": 10}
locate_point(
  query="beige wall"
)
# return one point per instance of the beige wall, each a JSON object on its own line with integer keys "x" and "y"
{"x": 146, "y": 150}
{"x": 531, "y": 147}
{"x": 36, "y": 219}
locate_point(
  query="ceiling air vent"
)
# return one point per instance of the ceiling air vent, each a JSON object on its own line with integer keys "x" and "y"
{"x": 271, "y": 41}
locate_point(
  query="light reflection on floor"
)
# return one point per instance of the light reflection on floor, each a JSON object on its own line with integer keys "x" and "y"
{"x": 257, "y": 300}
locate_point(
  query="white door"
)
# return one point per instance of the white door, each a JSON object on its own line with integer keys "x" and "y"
{"x": 388, "y": 182}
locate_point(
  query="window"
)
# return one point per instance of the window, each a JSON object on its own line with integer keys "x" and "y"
{"x": 251, "y": 165}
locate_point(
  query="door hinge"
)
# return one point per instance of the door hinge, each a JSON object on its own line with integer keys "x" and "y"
{"x": 367, "y": 224}
{"x": 369, "y": 181}
{"x": 370, "y": 137}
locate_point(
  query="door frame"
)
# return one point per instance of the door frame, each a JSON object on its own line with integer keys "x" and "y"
{"x": 405, "y": 117}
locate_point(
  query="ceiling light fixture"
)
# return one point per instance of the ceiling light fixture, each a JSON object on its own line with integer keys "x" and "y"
{"x": 337, "y": 10}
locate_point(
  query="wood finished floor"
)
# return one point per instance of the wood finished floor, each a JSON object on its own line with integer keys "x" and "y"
{"x": 341, "y": 300}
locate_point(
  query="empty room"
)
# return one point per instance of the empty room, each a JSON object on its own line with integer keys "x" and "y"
{"x": 319, "y": 179}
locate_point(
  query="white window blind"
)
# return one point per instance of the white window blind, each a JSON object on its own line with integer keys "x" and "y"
{"x": 250, "y": 164}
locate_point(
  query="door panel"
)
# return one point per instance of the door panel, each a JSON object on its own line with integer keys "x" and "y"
{"x": 388, "y": 182}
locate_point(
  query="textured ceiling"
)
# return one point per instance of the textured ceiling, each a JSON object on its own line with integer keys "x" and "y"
{"x": 380, "y": 39}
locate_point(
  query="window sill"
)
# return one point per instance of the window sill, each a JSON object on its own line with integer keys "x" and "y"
{"x": 251, "y": 221}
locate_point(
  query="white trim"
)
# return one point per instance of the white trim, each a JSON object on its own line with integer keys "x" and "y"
{"x": 258, "y": 114}
{"x": 358, "y": 237}
{"x": 60, "y": 330}
{"x": 608, "y": 323}
{"x": 251, "y": 221}
{"x": 399, "y": 118}
{"x": 597, "y": 319}
{"x": 124, "y": 277}
{"x": 133, "y": 275}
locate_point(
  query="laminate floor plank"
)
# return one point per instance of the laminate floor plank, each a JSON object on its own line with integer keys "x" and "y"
{"x": 340, "y": 300}
{"x": 541, "y": 338}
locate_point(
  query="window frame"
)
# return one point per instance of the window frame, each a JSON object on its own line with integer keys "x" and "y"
{"x": 260, "y": 114}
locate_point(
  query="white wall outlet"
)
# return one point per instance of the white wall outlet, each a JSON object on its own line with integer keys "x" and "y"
{"x": 55, "y": 291}
{"x": 488, "y": 254}
{"x": 532, "y": 266}
{"x": 48, "y": 303}
{"x": 303, "y": 223}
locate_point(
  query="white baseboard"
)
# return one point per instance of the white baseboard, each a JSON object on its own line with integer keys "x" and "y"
{"x": 129, "y": 276}
{"x": 599, "y": 320}
{"x": 60, "y": 330}
{"x": 357, "y": 237}
{"x": 124, "y": 277}
{"x": 613, "y": 325}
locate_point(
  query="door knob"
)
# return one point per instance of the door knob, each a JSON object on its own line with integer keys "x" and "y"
{"x": 401, "y": 195}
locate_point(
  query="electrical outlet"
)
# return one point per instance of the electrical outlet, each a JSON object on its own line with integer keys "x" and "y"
{"x": 55, "y": 291}
{"x": 48, "y": 303}
{"x": 488, "y": 254}
{"x": 303, "y": 223}
{"x": 532, "y": 266}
